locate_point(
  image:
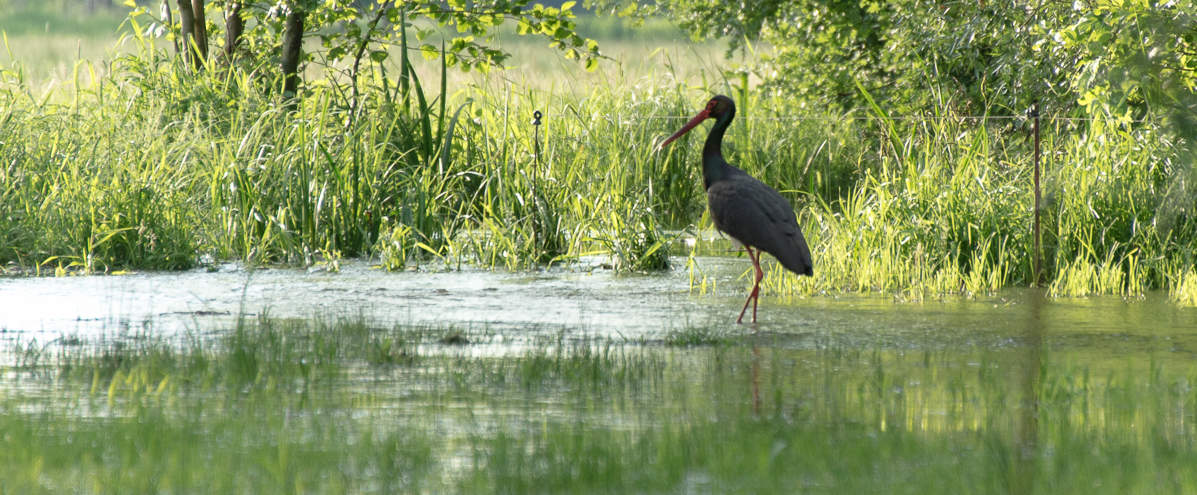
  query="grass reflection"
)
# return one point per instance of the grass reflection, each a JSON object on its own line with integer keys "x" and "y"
{"x": 310, "y": 406}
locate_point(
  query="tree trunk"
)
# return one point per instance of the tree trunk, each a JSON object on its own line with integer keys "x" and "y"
{"x": 234, "y": 26}
{"x": 187, "y": 27}
{"x": 292, "y": 50}
{"x": 193, "y": 32}
{"x": 201, "y": 33}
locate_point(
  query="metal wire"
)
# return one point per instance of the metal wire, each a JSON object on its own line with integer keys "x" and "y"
{"x": 892, "y": 117}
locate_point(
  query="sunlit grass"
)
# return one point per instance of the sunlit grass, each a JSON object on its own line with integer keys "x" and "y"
{"x": 1185, "y": 291}
{"x": 145, "y": 169}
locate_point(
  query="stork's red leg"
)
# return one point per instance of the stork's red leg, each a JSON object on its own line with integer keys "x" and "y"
{"x": 754, "y": 296}
{"x": 756, "y": 284}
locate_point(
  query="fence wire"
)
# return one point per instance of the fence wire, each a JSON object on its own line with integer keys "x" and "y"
{"x": 912, "y": 118}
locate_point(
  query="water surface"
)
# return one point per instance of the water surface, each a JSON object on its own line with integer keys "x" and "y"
{"x": 579, "y": 380}
{"x": 591, "y": 297}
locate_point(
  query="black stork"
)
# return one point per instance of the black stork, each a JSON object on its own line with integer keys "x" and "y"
{"x": 751, "y": 213}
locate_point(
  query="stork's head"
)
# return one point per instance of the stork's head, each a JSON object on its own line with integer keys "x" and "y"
{"x": 716, "y": 107}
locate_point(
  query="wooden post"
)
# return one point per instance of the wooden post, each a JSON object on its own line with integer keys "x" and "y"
{"x": 1038, "y": 256}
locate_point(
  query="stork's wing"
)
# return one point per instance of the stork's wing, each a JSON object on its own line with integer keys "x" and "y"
{"x": 758, "y": 216}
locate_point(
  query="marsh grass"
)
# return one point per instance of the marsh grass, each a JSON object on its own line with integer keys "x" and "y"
{"x": 258, "y": 352}
{"x": 697, "y": 336}
{"x": 1185, "y": 292}
{"x": 346, "y": 405}
{"x": 149, "y": 167}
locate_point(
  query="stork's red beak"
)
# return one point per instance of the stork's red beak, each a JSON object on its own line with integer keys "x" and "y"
{"x": 703, "y": 115}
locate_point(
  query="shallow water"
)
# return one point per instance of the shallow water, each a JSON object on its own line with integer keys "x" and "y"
{"x": 569, "y": 383}
{"x": 604, "y": 303}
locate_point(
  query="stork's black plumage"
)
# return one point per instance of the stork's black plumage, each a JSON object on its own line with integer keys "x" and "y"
{"x": 744, "y": 208}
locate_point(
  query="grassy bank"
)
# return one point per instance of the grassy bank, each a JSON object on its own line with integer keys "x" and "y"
{"x": 331, "y": 406}
{"x": 148, "y": 168}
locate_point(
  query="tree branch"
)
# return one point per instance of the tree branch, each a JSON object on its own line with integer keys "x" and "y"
{"x": 357, "y": 58}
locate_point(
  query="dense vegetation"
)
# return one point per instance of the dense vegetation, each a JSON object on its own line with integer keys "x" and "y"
{"x": 301, "y": 132}
{"x": 172, "y": 156}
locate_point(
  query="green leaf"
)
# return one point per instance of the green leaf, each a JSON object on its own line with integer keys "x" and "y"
{"x": 428, "y": 52}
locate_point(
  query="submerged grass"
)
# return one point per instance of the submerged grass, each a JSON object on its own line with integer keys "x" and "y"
{"x": 326, "y": 407}
{"x": 697, "y": 336}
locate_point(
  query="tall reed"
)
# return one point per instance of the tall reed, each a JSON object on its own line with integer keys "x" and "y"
{"x": 153, "y": 167}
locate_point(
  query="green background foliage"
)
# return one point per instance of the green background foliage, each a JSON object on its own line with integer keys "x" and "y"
{"x": 994, "y": 57}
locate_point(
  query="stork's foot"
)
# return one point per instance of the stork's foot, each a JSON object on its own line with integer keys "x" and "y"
{"x": 752, "y": 298}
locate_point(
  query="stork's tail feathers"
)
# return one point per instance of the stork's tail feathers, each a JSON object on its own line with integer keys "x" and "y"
{"x": 796, "y": 258}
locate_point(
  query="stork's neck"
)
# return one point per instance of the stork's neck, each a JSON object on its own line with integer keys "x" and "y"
{"x": 713, "y": 165}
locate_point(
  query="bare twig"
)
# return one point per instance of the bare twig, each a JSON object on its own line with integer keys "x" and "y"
{"x": 357, "y": 58}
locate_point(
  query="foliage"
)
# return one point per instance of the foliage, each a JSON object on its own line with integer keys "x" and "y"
{"x": 938, "y": 208}
{"x": 985, "y": 57}
{"x": 1133, "y": 57}
{"x": 351, "y": 32}
{"x": 147, "y": 168}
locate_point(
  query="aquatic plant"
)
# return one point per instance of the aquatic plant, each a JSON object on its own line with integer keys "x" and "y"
{"x": 335, "y": 405}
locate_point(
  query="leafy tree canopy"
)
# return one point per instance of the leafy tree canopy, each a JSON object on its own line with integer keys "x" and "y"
{"x": 369, "y": 29}
{"x": 1113, "y": 57}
